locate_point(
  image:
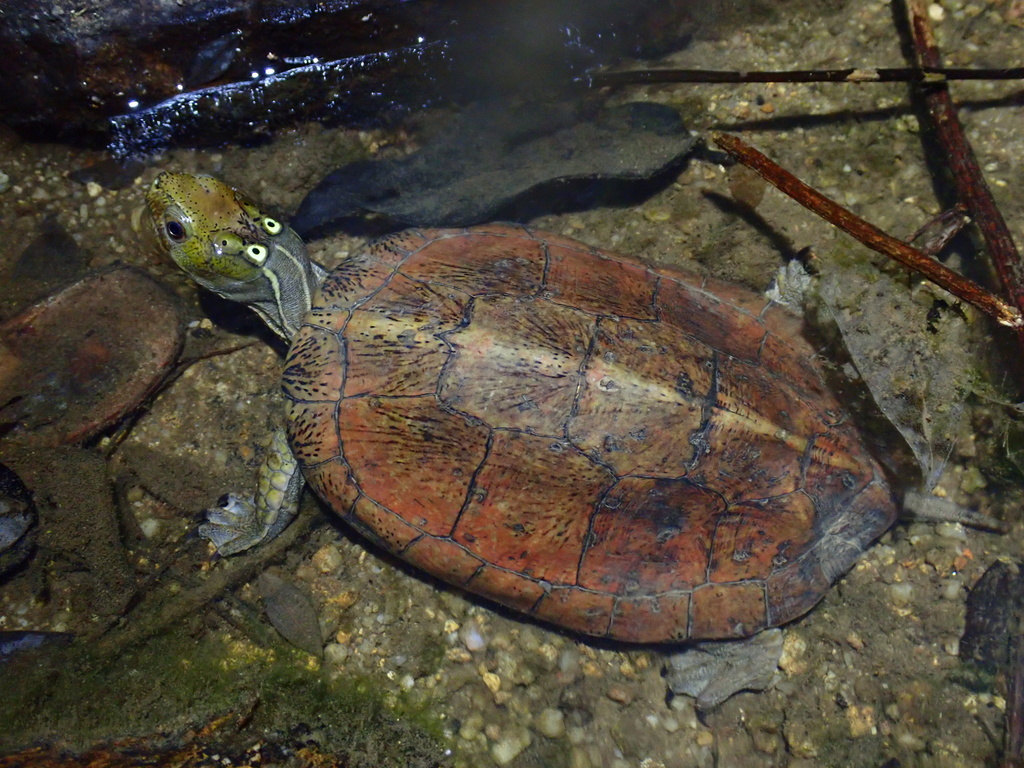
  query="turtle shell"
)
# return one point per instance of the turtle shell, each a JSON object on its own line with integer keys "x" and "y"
{"x": 620, "y": 451}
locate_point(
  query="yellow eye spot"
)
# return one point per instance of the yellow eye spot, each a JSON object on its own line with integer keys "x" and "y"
{"x": 272, "y": 226}
{"x": 257, "y": 254}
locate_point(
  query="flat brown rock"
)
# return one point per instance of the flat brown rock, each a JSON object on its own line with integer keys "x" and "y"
{"x": 81, "y": 359}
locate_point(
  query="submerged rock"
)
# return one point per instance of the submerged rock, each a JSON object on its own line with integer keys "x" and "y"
{"x": 491, "y": 162}
{"x": 77, "y": 362}
{"x": 18, "y": 522}
{"x": 151, "y": 74}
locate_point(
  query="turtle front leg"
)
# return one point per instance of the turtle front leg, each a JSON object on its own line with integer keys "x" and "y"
{"x": 239, "y": 523}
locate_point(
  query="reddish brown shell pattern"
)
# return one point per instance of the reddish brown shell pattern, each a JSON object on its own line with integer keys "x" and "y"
{"x": 624, "y": 452}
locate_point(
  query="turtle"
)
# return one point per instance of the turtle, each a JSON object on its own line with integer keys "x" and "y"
{"x": 638, "y": 454}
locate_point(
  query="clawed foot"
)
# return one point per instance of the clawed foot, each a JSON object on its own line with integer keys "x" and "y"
{"x": 233, "y": 525}
{"x": 715, "y": 670}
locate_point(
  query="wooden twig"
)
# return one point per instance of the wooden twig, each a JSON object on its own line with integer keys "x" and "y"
{"x": 923, "y": 74}
{"x": 869, "y": 234}
{"x": 970, "y": 184}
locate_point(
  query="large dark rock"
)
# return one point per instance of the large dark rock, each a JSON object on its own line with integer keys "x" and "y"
{"x": 493, "y": 163}
{"x": 146, "y": 74}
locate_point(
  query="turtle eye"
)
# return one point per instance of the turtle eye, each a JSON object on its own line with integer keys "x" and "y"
{"x": 175, "y": 230}
{"x": 271, "y": 226}
{"x": 257, "y": 254}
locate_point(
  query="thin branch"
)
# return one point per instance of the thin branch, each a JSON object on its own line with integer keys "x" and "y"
{"x": 970, "y": 184}
{"x": 923, "y": 74}
{"x": 869, "y": 234}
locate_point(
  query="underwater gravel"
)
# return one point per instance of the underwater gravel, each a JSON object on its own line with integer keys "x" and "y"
{"x": 870, "y": 676}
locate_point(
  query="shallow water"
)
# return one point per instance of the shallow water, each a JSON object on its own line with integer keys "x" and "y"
{"x": 870, "y": 676}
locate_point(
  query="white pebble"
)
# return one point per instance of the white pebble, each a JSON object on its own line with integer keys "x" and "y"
{"x": 471, "y": 727}
{"x": 336, "y": 653}
{"x": 509, "y": 748}
{"x": 551, "y": 723}
{"x": 951, "y": 531}
{"x": 902, "y": 592}
{"x": 568, "y": 660}
{"x": 93, "y": 189}
{"x": 952, "y": 589}
{"x": 472, "y": 637}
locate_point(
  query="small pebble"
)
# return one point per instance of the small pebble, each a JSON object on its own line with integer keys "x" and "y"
{"x": 471, "y": 727}
{"x": 458, "y": 655}
{"x": 952, "y": 589}
{"x": 549, "y": 654}
{"x": 327, "y": 559}
{"x": 93, "y": 189}
{"x": 551, "y": 723}
{"x": 657, "y": 215}
{"x": 794, "y": 654}
{"x": 951, "y": 531}
{"x": 511, "y": 746}
{"x": 492, "y": 681}
{"x": 336, "y": 653}
{"x": 911, "y": 742}
{"x": 344, "y": 600}
{"x": 861, "y": 721}
{"x": 619, "y": 694}
{"x": 472, "y": 637}
{"x": 902, "y": 592}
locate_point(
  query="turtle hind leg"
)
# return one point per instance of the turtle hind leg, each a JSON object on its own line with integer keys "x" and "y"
{"x": 712, "y": 671}
{"x": 233, "y": 525}
{"x": 239, "y": 523}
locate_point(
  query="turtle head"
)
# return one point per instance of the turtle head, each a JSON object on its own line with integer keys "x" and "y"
{"x": 224, "y": 242}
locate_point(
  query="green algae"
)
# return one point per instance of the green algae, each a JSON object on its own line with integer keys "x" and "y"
{"x": 176, "y": 684}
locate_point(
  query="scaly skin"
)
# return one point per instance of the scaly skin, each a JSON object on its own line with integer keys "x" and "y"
{"x": 222, "y": 240}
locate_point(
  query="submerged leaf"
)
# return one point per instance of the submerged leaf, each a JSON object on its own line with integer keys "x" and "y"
{"x": 292, "y": 613}
{"x": 912, "y": 347}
